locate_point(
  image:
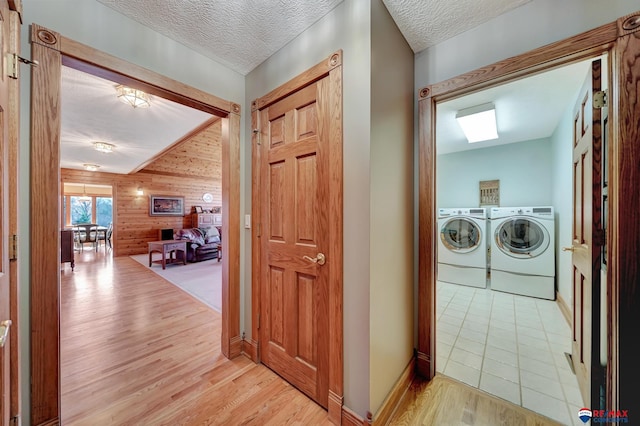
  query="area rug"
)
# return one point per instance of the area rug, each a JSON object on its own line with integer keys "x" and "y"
{"x": 202, "y": 280}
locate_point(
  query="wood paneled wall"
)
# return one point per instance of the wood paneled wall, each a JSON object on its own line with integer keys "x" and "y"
{"x": 190, "y": 168}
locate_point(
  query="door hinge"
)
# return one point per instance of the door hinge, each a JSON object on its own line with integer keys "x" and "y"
{"x": 13, "y": 247}
{"x": 12, "y": 64}
{"x": 600, "y": 99}
{"x": 15, "y": 420}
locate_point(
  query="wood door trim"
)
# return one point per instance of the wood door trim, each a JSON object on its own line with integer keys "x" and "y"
{"x": 307, "y": 77}
{"x": 51, "y": 50}
{"x": 332, "y": 67}
{"x": 582, "y": 46}
{"x": 623, "y": 271}
{"x": 14, "y": 220}
{"x": 101, "y": 64}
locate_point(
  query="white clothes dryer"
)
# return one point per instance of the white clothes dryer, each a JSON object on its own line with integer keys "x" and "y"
{"x": 523, "y": 251}
{"x": 462, "y": 253}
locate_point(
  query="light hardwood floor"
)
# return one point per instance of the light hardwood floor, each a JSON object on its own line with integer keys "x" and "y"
{"x": 137, "y": 350}
{"x": 445, "y": 401}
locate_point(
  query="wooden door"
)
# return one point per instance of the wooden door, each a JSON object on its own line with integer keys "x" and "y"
{"x": 588, "y": 237}
{"x": 294, "y": 329}
{"x": 6, "y": 41}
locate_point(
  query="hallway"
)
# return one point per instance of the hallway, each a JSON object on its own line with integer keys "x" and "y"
{"x": 137, "y": 350}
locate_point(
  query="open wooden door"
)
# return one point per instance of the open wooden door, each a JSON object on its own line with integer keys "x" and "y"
{"x": 9, "y": 93}
{"x": 299, "y": 162}
{"x": 588, "y": 237}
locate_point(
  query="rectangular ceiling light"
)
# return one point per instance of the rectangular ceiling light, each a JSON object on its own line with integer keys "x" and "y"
{"x": 478, "y": 123}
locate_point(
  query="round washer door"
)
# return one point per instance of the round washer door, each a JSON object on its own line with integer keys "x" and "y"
{"x": 522, "y": 237}
{"x": 460, "y": 235}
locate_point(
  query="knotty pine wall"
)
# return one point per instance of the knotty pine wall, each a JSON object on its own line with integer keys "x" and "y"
{"x": 189, "y": 168}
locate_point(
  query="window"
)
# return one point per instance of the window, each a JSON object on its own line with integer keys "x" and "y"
{"x": 104, "y": 210}
{"x": 87, "y": 203}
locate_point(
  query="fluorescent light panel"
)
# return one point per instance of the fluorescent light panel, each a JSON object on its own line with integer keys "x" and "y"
{"x": 478, "y": 123}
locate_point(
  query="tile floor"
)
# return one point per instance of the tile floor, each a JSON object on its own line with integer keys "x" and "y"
{"x": 508, "y": 345}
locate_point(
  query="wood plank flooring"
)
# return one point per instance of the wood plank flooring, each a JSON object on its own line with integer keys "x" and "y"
{"x": 137, "y": 350}
{"x": 445, "y": 401}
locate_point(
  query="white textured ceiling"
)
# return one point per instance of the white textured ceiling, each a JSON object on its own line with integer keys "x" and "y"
{"x": 427, "y": 22}
{"x": 239, "y": 34}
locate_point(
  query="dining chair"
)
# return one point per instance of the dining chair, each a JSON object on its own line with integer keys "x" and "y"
{"x": 88, "y": 233}
{"x": 106, "y": 236}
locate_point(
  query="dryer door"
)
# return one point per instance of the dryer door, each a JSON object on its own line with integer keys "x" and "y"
{"x": 460, "y": 235}
{"x": 522, "y": 237}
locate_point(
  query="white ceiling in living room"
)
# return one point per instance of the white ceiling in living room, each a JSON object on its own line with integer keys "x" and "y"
{"x": 91, "y": 112}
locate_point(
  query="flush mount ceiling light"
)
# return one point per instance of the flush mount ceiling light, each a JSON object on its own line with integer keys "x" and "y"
{"x": 478, "y": 123}
{"x": 91, "y": 167}
{"x": 134, "y": 97}
{"x": 103, "y": 147}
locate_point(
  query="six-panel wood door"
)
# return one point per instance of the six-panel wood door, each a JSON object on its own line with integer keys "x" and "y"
{"x": 588, "y": 236}
{"x": 294, "y": 320}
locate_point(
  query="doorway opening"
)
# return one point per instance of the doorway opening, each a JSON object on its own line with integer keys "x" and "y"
{"x": 53, "y": 51}
{"x": 509, "y": 333}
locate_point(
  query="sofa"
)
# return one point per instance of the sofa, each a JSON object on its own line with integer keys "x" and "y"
{"x": 202, "y": 244}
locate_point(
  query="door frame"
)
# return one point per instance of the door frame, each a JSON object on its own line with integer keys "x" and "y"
{"x": 15, "y": 22}
{"x": 331, "y": 67}
{"x": 52, "y": 50}
{"x": 621, "y": 40}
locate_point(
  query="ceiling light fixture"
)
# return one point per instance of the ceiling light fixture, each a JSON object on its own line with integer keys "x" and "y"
{"x": 134, "y": 97}
{"x": 103, "y": 147}
{"x": 91, "y": 167}
{"x": 478, "y": 123}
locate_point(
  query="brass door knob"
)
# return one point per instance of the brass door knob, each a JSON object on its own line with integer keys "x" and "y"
{"x": 320, "y": 259}
{"x": 568, "y": 248}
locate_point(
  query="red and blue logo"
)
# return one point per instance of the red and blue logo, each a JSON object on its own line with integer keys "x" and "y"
{"x": 603, "y": 416}
{"x": 585, "y": 415}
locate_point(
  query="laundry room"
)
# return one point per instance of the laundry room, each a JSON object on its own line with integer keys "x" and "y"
{"x": 504, "y": 295}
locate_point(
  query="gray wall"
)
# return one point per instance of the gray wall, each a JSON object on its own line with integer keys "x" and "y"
{"x": 523, "y": 168}
{"x": 391, "y": 189}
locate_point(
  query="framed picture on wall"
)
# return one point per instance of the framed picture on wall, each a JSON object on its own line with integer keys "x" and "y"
{"x": 163, "y": 205}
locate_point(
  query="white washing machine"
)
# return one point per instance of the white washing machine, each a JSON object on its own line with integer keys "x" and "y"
{"x": 523, "y": 251}
{"x": 462, "y": 242}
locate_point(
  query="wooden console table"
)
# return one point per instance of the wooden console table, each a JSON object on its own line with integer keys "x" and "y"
{"x": 167, "y": 247}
